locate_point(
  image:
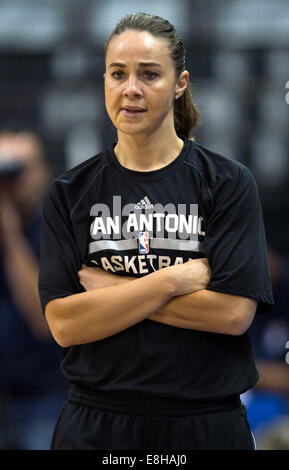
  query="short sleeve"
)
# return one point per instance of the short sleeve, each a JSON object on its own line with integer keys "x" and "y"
{"x": 59, "y": 256}
{"x": 235, "y": 241}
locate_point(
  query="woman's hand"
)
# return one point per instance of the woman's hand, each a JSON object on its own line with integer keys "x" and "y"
{"x": 186, "y": 278}
{"x": 95, "y": 278}
{"x": 190, "y": 277}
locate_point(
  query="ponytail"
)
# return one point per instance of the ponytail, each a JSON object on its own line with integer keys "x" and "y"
{"x": 186, "y": 114}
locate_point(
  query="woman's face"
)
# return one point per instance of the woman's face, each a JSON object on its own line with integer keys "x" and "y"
{"x": 140, "y": 83}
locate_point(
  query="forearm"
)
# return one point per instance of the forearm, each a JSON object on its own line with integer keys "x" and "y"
{"x": 206, "y": 310}
{"x": 200, "y": 309}
{"x": 21, "y": 269}
{"x": 203, "y": 310}
{"x": 100, "y": 313}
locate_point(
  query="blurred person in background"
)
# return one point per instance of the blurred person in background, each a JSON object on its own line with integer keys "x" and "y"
{"x": 31, "y": 385}
{"x": 268, "y": 403}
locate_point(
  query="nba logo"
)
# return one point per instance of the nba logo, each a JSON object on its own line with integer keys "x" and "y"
{"x": 143, "y": 242}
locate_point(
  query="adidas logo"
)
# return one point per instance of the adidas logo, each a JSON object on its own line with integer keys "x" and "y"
{"x": 144, "y": 203}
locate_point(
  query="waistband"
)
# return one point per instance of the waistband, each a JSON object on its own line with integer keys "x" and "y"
{"x": 147, "y": 406}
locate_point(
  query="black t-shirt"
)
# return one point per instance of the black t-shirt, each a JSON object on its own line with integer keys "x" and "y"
{"x": 132, "y": 223}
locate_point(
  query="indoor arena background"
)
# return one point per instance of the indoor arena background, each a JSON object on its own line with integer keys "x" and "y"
{"x": 51, "y": 81}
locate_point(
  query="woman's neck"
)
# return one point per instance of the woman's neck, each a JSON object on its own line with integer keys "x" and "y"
{"x": 147, "y": 153}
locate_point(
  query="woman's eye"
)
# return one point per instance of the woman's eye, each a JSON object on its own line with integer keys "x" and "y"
{"x": 150, "y": 75}
{"x": 117, "y": 74}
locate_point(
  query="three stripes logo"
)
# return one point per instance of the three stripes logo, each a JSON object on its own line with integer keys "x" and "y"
{"x": 144, "y": 203}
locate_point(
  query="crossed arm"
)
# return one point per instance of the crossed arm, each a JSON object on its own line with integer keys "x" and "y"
{"x": 174, "y": 296}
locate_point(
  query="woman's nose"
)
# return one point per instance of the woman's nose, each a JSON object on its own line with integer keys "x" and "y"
{"x": 132, "y": 87}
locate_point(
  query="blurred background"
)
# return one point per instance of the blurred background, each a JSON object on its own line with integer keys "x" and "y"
{"x": 53, "y": 117}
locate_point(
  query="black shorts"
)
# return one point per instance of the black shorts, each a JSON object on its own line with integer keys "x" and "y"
{"x": 90, "y": 422}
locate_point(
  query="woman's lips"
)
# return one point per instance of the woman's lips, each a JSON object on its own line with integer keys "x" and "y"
{"x": 132, "y": 112}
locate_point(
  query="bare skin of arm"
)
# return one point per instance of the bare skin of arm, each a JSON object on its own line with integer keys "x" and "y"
{"x": 200, "y": 309}
{"x": 210, "y": 311}
{"x": 101, "y": 312}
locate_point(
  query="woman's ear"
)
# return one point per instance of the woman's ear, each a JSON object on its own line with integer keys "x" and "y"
{"x": 181, "y": 84}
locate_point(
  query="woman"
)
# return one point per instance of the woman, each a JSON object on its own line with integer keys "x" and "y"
{"x": 153, "y": 265}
